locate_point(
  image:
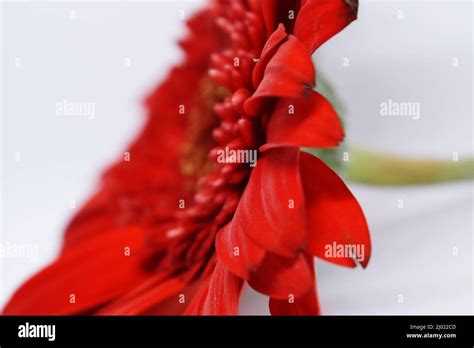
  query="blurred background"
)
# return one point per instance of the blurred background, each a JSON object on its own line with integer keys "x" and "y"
{"x": 112, "y": 54}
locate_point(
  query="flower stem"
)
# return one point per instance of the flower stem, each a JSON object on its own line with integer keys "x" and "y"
{"x": 376, "y": 168}
{"x": 371, "y": 167}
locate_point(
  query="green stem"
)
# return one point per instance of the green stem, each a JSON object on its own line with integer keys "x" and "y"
{"x": 371, "y": 167}
{"x": 376, "y": 168}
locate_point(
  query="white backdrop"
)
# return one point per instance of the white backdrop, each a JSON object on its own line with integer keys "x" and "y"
{"x": 399, "y": 50}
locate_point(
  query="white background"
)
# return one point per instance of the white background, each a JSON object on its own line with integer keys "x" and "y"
{"x": 407, "y": 59}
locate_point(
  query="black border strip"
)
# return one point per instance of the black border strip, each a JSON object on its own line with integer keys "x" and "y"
{"x": 243, "y": 330}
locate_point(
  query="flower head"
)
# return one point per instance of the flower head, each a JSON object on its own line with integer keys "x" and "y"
{"x": 216, "y": 191}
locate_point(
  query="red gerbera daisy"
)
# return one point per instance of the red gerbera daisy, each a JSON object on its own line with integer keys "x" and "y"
{"x": 215, "y": 191}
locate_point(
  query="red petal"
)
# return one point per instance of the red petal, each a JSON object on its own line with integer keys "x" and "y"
{"x": 268, "y": 51}
{"x": 269, "y": 11}
{"x": 307, "y": 304}
{"x": 289, "y": 73}
{"x": 154, "y": 178}
{"x": 278, "y": 11}
{"x": 271, "y": 210}
{"x": 175, "y": 305}
{"x": 151, "y": 178}
{"x": 319, "y": 20}
{"x": 246, "y": 257}
{"x": 281, "y": 278}
{"x": 205, "y": 37}
{"x": 314, "y": 123}
{"x": 333, "y": 214}
{"x": 94, "y": 272}
{"x": 95, "y": 217}
{"x": 222, "y": 295}
{"x": 151, "y": 293}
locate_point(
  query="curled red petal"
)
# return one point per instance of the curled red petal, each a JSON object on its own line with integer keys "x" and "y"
{"x": 221, "y": 296}
{"x": 84, "y": 277}
{"x": 335, "y": 221}
{"x": 289, "y": 73}
{"x": 271, "y": 210}
{"x": 319, "y": 20}
{"x": 237, "y": 251}
{"x": 308, "y": 121}
{"x": 283, "y": 278}
{"x": 307, "y": 304}
{"x": 269, "y": 49}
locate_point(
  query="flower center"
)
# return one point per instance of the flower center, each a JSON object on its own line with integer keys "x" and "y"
{"x": 202, "y": 120}
{"x": 223, "y": 144}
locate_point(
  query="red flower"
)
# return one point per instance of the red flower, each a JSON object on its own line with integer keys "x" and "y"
{"x": 180, "y": 227}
